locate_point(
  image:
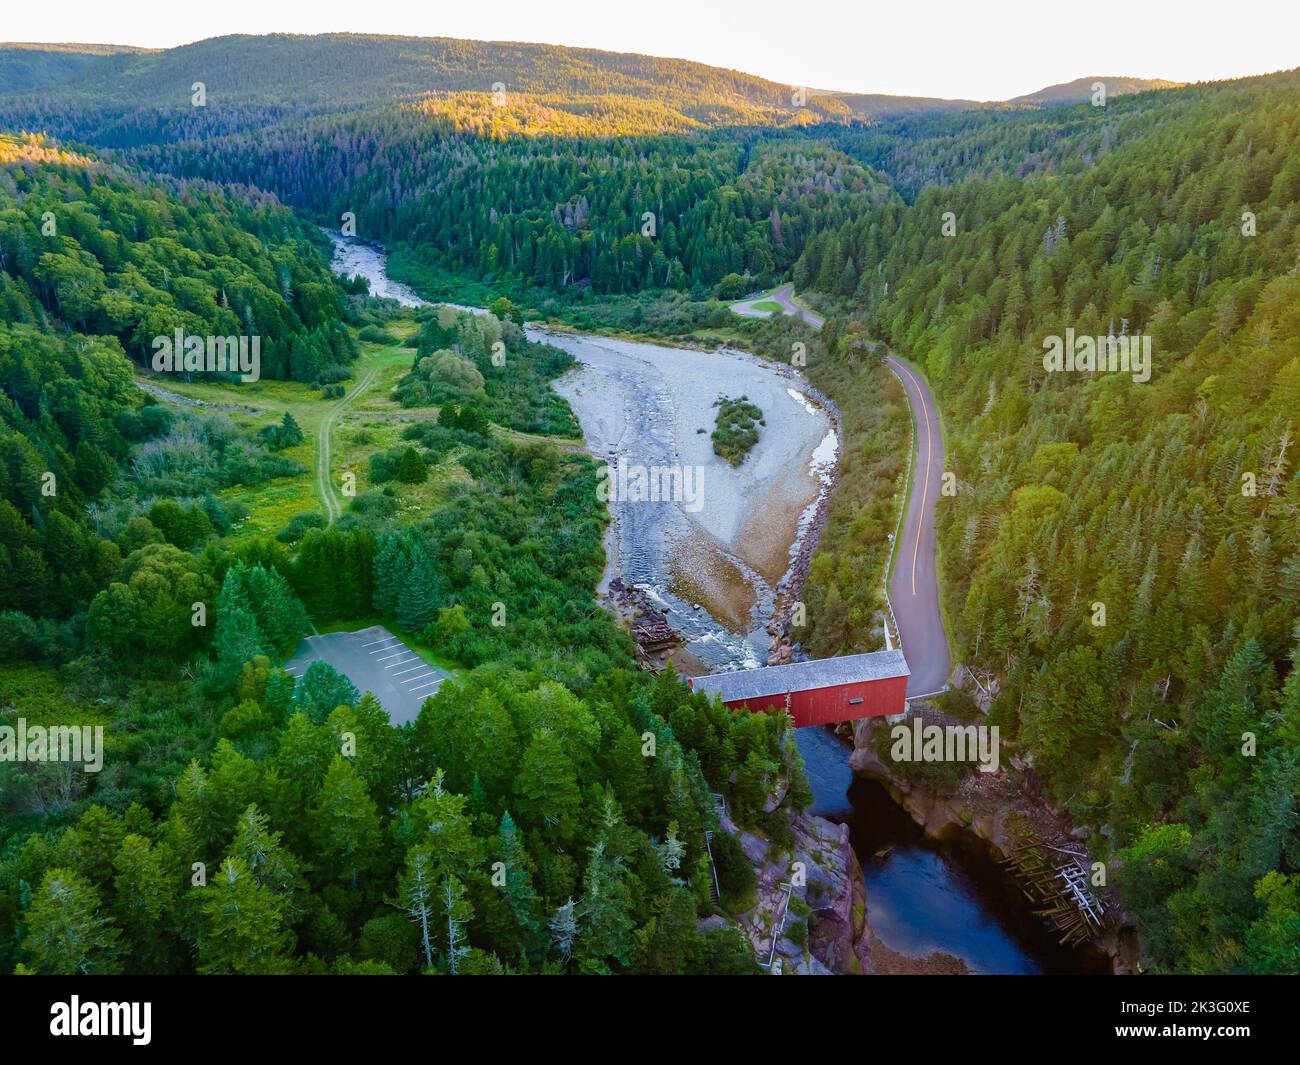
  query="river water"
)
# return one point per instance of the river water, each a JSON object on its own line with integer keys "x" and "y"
{"x": 643, "y": 403}
{"x": 925, "y": 895}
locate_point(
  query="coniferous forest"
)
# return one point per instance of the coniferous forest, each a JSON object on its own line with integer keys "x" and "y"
{"x": 1118, "y": 558}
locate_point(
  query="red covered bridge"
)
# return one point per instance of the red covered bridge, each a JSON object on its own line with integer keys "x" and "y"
{"x": 818, "y": 692}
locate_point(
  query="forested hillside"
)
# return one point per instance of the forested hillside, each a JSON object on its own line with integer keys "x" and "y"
{"x": 1172, "y": 503}
{"x": 93, "y": 265}
{"x": 108, "y": 255}
{"x": 1081, "y": 90}
{"x": 533, "y": 168}
{"x": 608, "y": 215}
{"x": 130, "y": 98}
{"x": 941, "y": 149}
{"x": 28, "y": 67}
{"x": 248, "y": 822}
{"x": 881, "y": 108}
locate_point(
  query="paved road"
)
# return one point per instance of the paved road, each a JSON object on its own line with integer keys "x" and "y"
{"x": 914, "y": 588}
{"x": 785, "y": 297}
{"x": 375, "y": 661}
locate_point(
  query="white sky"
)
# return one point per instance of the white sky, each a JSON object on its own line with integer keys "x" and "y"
{"x": 994, "y": 49}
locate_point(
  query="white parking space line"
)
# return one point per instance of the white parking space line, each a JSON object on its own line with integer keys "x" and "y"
{"x": 431, "y": 684}
{"x": 412, "y": 680}
{"x": 402, "y": 661}
{"x": 411, "y": 670}
{"x": 397, "y": 654}
{"x": 386, "y": 639}
{"x": 381, "y": 650}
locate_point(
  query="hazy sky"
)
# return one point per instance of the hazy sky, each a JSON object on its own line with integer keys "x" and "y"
{"x": 990, "y": 50}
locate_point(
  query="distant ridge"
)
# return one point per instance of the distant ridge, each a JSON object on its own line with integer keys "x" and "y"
{"x": 348, "y": 71}
{"x": 343, "y": 71}
{"x": 26, "y": 67}
{"x": 1081, "y": 89}
{"x": 882, "y": 108}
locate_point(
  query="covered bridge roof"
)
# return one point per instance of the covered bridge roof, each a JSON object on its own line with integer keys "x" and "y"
{"x": 803, "y": 676}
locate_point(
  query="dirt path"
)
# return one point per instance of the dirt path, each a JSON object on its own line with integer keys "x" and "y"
{"x": 913, "y": 586}
{"x": 169, "y": 396}
{"x": 324, "y": 482}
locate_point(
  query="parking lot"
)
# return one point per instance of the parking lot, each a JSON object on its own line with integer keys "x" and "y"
{"x": 375, "y": 661}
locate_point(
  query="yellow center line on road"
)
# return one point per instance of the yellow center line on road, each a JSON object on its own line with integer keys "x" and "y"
{"x": 925, "y": 484}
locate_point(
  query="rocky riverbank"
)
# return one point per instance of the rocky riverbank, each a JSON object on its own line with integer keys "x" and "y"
{"x": 790, "y": 589}
{"x": 809, "y": 917}
{"x": 646, "y": 623}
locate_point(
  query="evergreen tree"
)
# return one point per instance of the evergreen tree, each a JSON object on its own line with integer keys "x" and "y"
{"x": 547, "y": 788}
{"x": 237, "y": 637}
{"x": 321, "y": 689}
{"x": 412, "y": 469}
{"x": 145, "y": 893}
{"x": 243, "y": 930}
{"x": 520, "y": 896}
{"x": 419, "y": 593}
{"x": 607, "y": 923}
{"x": 345, "y": 824}
{"x": 392, "y": 563}
{"x": 67, "y": 933}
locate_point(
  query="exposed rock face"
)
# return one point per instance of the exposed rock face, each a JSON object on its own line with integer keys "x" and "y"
{"x": 822, "y": 872}
{"x": 935, "y": 812}
{"x": 983, "y": 803}
{"x": 837, "y": 928}
{"x": 782, "y": 654}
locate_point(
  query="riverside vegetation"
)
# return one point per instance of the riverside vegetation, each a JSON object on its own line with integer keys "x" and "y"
{"x": 737, "y": 428}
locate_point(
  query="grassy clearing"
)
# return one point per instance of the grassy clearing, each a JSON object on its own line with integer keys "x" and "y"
{"x": 362, "y": 435}
{"x": 272, "y": 505}
{"x": 369, "y": 422}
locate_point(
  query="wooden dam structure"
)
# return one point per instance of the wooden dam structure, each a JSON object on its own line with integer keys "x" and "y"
{"x": 1058, "y": 888}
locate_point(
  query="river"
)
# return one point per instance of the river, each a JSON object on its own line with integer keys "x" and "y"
{"x": 713, "y": 557}
{"x": 713, "y": 561}
{"x": 926, "y": 895}
{"x": 644, "y": 403}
